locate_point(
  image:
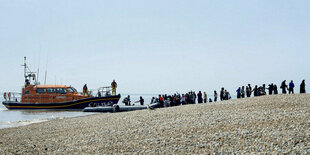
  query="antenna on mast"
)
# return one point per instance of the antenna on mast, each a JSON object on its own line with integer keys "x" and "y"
{"x": 38, "y": 67}
{"x": 46, "y": 70}
{"x": 25, "y": 68}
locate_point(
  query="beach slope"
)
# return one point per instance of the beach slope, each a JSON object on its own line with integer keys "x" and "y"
{"x": 268, "y": 124}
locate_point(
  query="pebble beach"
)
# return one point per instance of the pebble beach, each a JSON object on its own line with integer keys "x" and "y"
{"x": 275, "y": 124}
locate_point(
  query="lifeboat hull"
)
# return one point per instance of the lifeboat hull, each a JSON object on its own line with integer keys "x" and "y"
{"x": 69, "y": 105}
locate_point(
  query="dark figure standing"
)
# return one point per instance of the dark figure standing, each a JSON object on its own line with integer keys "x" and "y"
{"x": 85, "y": 90}
{"x": 263, "y": 90}
{"x": 222, "y": 94}
{"x": 275, "y": 89}
{"x": 215, "y": 96}
{"x": 242, "y": 92}
{"x": 270, "y": 89}
{"x": 283, "y": 87}
{"x": 141, "y": 101}
{"x": 250, "y": 90}
{"x": 291, "y": 87}
{"x": 303, "y": 87}
{"x": 255, "y": 91}
{"x": 199, "y": 95}
{"x": 238, "y": 92}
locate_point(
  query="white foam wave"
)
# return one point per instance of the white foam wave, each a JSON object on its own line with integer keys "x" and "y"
{"x": 10, "y": 124}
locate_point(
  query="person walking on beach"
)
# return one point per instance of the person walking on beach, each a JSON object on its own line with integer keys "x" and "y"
{"x": 283, "y": 87}
{"x": 113, "y": 85}
{"x": 205, "y": 97}
{"x": 303, "y": 87}
{"x": 215, "y": 96}
{"x": 85, "y": 90}
{"x": 222, "y": 94}
{"x": 291, "y": 87}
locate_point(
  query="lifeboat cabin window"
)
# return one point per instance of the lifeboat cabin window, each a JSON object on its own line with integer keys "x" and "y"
{"x": 61, "y": 91}
{"x": 50, "y": 90}
{"x": 41, "y": 90}
{"x": 27, "y": 92}
{"x": 71, "y": 90}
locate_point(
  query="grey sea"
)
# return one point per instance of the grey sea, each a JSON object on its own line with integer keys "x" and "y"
{"x": 14, "y": 118}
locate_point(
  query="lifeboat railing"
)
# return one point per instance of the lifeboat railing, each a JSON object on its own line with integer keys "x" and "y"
{"x": 101, "y": 91}
{"x": 12, "y": 96}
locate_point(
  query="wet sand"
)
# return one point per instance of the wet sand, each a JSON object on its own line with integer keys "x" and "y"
{"x": 268, "y": 124}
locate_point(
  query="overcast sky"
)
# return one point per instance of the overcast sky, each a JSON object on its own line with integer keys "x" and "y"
{"x": 156, "y": 46}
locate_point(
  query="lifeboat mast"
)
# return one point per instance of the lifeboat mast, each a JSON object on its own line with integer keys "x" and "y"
{"x": 28, "y": 74}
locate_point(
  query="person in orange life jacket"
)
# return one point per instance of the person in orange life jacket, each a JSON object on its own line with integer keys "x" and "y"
{"x": 161, "y": 101}
{"x": 113, "y": 85}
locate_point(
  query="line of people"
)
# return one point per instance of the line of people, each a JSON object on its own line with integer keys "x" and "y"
{"x": 272, "y": 89}
{"x": 191, "y": 97}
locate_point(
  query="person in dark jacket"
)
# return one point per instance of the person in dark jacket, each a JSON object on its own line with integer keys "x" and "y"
{"x": 238, "y": 92}
{"x": 222, "y": 94}
{"x": 242, "y": 92}
{"x": 141, "y": 101}
{"x": 250, "y": 92}
{"x": 270, "y": 89}
{"x": 255, "y": 91}
{"x": 199, "y": 95}
{"x": 291, "y": 87}
{"x": 303, "y": 87}
{"x": 215, "y": 96}
{"x": 85, "y": 90}
{"x": 275, "y": 89}
{"x": 283, "y": 87}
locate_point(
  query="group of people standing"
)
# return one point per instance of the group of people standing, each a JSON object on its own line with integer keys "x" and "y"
{"x": 242, "y": 92}
{"x": 177, "y": 99}
{"x": 272, "y": 89}
{"x": 188, "y": 98}
{"x": 191, "y": 97}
